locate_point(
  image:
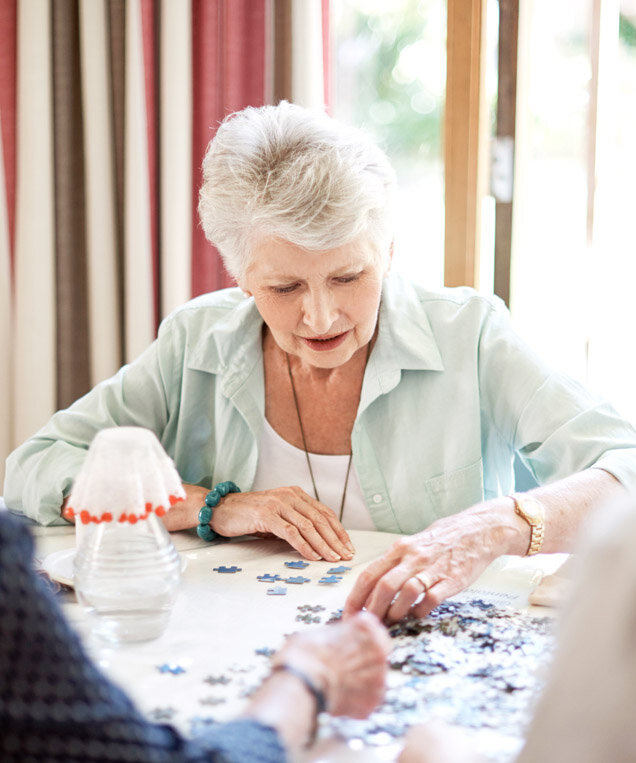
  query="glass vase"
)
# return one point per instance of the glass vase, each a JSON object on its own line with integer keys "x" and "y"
{"x": 126, "y": 577}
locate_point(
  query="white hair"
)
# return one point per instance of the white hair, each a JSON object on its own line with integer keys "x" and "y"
{"x": 290, "y": 173}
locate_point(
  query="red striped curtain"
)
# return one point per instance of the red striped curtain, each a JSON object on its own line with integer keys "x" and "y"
{"x": 106, "y": 108}
{"x": 227, "y": 76}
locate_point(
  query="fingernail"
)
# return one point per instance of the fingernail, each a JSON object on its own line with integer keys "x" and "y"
{"x": 351, "y": 548}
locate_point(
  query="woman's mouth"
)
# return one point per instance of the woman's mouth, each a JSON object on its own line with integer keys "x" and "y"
{"x": 327, "y": 343}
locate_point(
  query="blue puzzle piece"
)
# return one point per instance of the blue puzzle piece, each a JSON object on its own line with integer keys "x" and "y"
{"x": 213, "y": 680}
{"x": 308, "y": 618}
{"x": 330, "y": 579}
{"x": 268, "y": 578}
{"x": 278, "y": 590}
{"x": 174, "y": 669}
{"x": 233, "y": 568}
{"x": 299, "y": 565}
{"x": 297, "y": 579}
{"x": 212, "y": 701}
{"x": 338, "y": 570}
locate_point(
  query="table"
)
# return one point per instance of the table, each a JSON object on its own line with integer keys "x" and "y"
{"x": 215, "y": 649}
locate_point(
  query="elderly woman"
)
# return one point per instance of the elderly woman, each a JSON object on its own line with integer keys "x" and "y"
{"x": 334, "y": 395}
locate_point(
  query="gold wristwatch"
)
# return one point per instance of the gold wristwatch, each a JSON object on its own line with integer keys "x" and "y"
{"x": 534, "y": 514}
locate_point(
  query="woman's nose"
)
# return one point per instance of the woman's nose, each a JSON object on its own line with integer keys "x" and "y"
{"x": 319, "y": 311}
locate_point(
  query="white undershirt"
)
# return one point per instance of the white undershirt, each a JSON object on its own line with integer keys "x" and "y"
{"x": 280, "y": 464}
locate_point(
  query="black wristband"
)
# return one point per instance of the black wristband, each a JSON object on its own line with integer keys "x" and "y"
{"x": 317, "y": 694}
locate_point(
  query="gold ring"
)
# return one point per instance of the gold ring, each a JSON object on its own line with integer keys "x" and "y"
{"x": 424, "y": 580}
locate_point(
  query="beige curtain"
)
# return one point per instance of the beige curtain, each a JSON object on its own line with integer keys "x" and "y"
{"x": 106, "y": 107}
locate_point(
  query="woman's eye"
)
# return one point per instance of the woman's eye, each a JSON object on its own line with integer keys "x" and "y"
{"x": 285, "y": 289}
{"x": 348, "y": 279}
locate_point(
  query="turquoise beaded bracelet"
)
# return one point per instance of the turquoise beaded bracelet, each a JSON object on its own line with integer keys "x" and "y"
{"x": 204, "y": 531}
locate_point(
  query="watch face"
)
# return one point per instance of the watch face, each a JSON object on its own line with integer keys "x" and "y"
{"x": 532, "y": 509}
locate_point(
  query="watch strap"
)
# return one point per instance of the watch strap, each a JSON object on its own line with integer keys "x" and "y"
{"x": 536, "y": 539}
{"x": 536, "y": 526}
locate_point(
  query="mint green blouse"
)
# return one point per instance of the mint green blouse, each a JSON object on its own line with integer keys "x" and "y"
{"x": 449, "y": 395}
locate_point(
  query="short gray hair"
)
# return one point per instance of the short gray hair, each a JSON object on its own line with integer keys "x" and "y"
{"x": 294, "y": 174}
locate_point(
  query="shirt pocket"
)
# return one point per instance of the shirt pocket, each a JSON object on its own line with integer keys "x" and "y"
{"x": 454, "y": 491}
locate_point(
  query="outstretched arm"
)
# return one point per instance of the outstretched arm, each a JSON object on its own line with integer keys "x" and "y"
{"x": 451, "y": 554}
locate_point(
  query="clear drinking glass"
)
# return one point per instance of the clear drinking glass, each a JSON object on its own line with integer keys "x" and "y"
{"x": 126, "y": 577}
{"x": 126, "y": 568}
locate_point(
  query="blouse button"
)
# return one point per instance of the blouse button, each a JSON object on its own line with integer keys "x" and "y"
{"x": 377, "y": 498}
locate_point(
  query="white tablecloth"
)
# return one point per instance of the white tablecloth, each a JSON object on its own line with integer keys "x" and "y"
{"x": 221, "y": 621}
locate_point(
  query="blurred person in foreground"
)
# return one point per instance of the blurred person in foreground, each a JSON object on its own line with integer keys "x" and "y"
{"x": 586, "y": 712}
{"x": 55, "y": 704}
{"x": 334, "y": 395}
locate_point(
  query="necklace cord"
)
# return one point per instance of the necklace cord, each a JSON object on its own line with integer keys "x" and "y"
{"x": 302, "y": 435}
{"x": 300, "y": 424}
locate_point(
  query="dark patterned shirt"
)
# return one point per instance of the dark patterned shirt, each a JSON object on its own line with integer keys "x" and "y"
{"x": 55, "y": 705}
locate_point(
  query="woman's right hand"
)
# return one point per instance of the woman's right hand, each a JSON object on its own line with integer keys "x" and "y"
{"x": 286, "y": 512}
{"x": 347, "y": 661}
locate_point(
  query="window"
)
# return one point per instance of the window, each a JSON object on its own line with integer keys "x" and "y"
{"x": 573, "y": 253}
{"x": 390, "y": 65}
{"x": 574, "y": 260}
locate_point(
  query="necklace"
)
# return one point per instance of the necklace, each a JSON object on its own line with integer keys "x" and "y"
{"x": 302, "y": 435}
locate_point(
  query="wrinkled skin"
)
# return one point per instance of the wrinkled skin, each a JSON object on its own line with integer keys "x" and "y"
{"x": 451, "y": 554}
{"x": 453, "y": 551}
{"x": 286, "y": 512}
{"x": 346, "y": 660}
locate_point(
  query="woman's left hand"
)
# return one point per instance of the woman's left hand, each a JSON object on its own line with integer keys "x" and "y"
{"x": 286, "y": 512}
{"x": 419, "y": 571}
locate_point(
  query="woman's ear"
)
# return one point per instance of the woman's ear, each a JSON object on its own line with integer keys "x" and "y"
{"x": 241, "y": 284}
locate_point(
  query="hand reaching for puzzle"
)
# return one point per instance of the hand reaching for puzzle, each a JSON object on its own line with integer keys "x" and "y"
{"x": 420, "y": 571}
{"x": 346, "y": 661}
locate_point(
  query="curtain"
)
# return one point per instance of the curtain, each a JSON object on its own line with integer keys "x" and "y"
{"x": 106, "y": 108}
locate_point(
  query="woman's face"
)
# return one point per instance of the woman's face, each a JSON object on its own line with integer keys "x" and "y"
{"x": 322, "y": 307}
